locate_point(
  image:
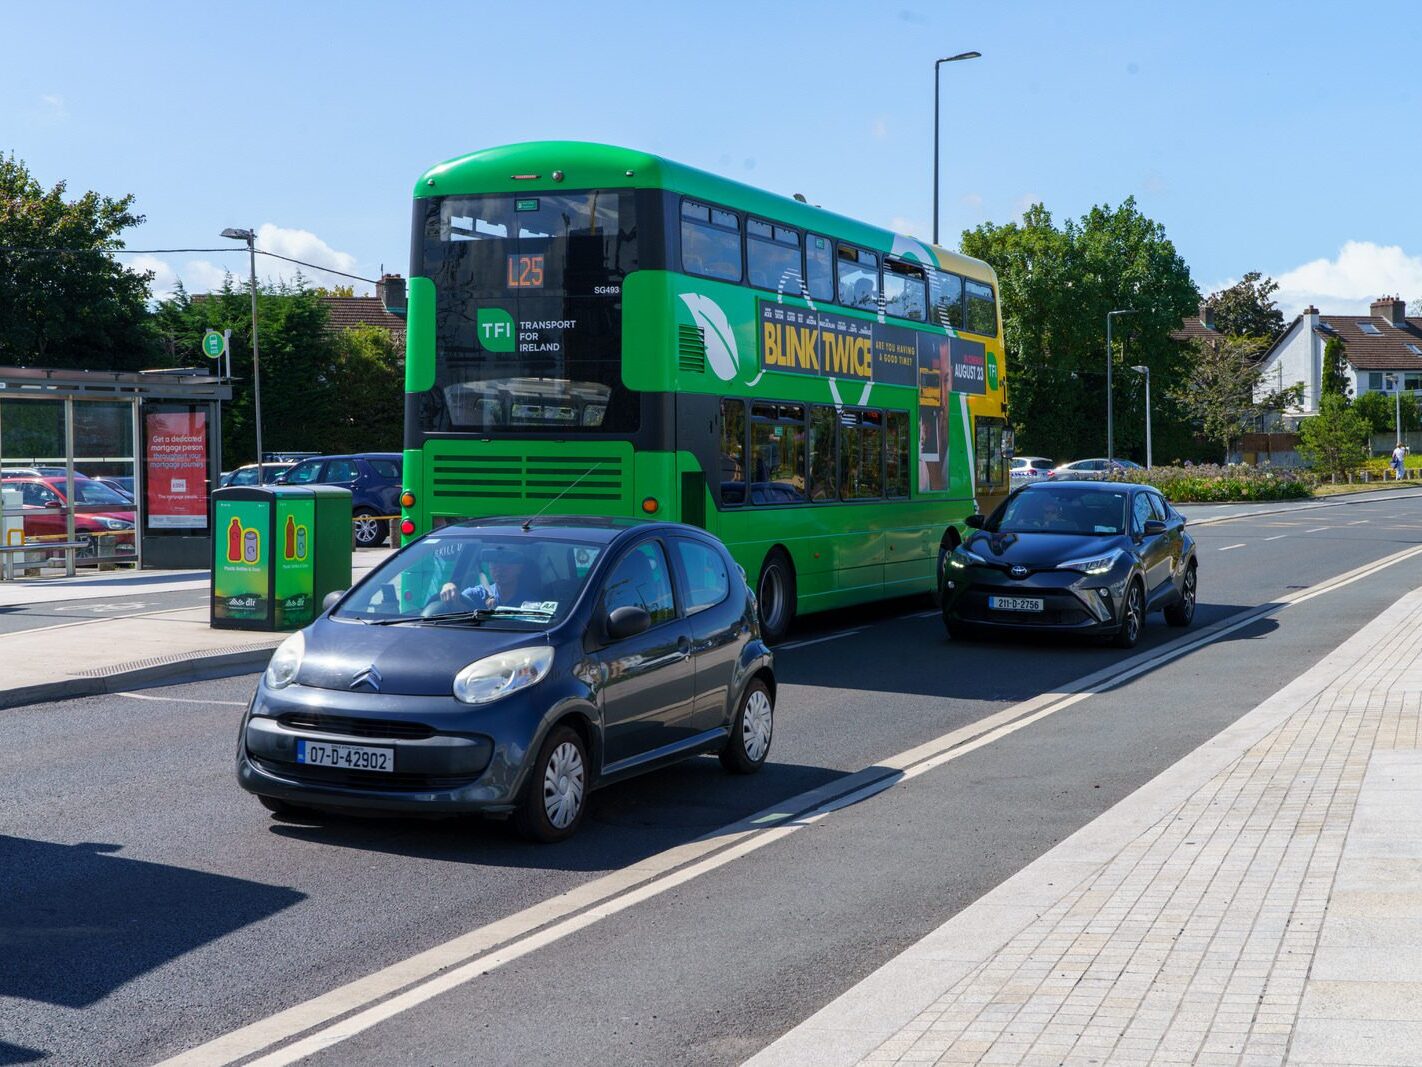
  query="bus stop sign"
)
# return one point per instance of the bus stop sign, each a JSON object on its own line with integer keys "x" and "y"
{"x": 213, "y": 344}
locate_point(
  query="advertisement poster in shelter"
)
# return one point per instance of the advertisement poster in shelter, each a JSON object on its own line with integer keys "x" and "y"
{"x": 175, "y": 472}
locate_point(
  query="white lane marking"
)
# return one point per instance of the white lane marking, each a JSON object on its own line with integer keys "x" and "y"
{"x": 1275, "y": 537}
{"x": 1358, "y": 522}
{"x": 1212, "y": 520}
{"x": 819, "y": 640}
{"x": 185, "y": 700}
{"x": 422, "y": 977}
{"x": 1226, "y": 548}
{"x": 1318, "y": 529}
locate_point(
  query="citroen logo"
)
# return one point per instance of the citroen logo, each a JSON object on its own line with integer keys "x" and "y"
{"x": 369, "y": 677}
{"x": 1018, "y": 571}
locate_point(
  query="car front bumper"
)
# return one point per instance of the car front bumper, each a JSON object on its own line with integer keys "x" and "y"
{"x": 1071, "y": 601}
{"x": 448, "y": 758}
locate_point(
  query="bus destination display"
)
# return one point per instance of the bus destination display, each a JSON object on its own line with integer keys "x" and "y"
{"x": 525, "y": 272}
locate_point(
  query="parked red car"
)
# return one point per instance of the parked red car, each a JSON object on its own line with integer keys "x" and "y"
{"x": 107, "y": 532}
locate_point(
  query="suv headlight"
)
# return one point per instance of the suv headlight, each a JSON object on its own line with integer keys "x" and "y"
{"x": 286, "y": 661}
{"x": 1092, "y": 564}
{"x": 961, "y": 559}
{"x": 495, "y": 677}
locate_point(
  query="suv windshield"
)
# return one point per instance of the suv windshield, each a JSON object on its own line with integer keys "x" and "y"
{"x": 513, "y": 580}
{"x": 1062, "y": 510}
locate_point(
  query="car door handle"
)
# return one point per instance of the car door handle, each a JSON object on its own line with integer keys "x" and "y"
{"x": 683, "y": 647}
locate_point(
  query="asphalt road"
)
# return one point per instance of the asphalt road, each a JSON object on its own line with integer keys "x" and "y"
{"x": 17, "y": 617}
{"x": 150, "y": 906}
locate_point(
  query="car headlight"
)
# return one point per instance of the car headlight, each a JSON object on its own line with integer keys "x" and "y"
{"x": 115, "y": 524}
{"x": 1093, "y": 564}
{"x": 962, "y": 559}
{"x": 286, "y": 661}
{"x": 495, "y": 677}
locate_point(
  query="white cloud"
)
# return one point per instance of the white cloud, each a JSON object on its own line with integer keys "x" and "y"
{"x": 303, "y": 245}
{"x": 52, "y": 107}
{"x": 1025, "y": 201}
{"x": 197, "y": 275}
{"x": 880, "y": 129}
{"x": 910, "y": 227}
{"x": 1347, "y": 284}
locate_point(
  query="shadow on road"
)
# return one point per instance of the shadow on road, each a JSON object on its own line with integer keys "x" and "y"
{"x": 77, "y": 923}
{"x": 625, "y": 823}
{"x": 15, "y": 1054}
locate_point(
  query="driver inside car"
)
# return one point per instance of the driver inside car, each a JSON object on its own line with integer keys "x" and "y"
{"x": 511, "y": 581}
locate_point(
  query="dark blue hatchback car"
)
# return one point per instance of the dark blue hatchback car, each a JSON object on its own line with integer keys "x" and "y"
{"x": 373, "y": 479}
{"x": 509, "y": 667}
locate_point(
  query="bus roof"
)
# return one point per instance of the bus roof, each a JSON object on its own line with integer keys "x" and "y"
{"x": 530, "y": 167}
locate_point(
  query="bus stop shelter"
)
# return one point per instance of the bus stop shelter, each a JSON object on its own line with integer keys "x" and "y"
{"x": 157, "y": 434}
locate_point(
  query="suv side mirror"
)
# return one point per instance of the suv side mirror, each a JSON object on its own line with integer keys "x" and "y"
{"x": 974, "y": 521}
{"x": 627, "y": 621}
{"x": 1154, "y": 527}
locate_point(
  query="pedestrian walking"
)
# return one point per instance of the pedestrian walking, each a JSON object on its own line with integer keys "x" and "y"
{"x": 1397, "y": 455}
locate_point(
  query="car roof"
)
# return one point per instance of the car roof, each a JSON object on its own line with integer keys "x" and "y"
{"x": 1091, "y": 484}
{"x": 350, "y": 455}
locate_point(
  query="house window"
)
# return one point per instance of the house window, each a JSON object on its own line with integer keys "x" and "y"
{"x": 1369, "y": 329}
{"x": 1375, "y": 381}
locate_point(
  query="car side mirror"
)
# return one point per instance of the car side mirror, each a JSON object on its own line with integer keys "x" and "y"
{"x": 627, "y": 621}
{"x": 975, "y": 521}
{"x": 53, "y": 504}
{"x": 332, "y": 599}
{"x": 1154, "y": 527}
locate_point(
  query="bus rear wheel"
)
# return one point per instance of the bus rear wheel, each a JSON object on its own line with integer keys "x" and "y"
{"x": 775, "y": 597}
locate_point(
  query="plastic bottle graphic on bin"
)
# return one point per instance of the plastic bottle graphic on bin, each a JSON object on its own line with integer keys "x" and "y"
{"x": 279, "y": 551}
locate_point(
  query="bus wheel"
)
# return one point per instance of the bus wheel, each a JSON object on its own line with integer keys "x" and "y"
{"x": 775, "y": 596}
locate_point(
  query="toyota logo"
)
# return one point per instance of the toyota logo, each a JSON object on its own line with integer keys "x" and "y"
{"x": 367, "y": 677}
{"x": 1018, "y": 571}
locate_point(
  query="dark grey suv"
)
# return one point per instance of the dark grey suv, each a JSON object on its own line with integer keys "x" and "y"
{"x": 510, "y": 666}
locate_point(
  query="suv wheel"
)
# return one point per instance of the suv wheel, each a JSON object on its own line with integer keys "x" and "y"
{"x": 369, "y": 531}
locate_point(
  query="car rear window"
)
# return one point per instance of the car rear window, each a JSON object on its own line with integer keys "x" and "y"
{"x": 385, "y": 468}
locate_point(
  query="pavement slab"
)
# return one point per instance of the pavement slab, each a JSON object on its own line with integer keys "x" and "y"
{"x": 1193, "y": 921}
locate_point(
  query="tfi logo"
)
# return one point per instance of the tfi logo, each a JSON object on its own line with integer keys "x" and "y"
{"x": 496, "y": 329}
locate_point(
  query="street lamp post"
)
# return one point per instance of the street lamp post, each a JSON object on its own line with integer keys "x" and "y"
{"x": 1394, "y": 382}
{"x": 936, "y": 65}
{"x": 1146, "y": 371}
{"x": 251, "y": 238}
{"x": 1110, "y": 424}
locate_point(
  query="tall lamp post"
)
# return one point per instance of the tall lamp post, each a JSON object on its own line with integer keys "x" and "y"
{"x": 936, "y": 65}
{"x": 1146, "y": 371}
{"x": 1110, "y": 424}
{"x": 1395, "y": 383}
{"x": 251, "y": 238}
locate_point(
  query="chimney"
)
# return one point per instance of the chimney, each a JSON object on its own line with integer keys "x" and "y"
{"x": 1207, "y": 315}
{"x": 1391, "y": 308}
{"x": 391, "y": 291}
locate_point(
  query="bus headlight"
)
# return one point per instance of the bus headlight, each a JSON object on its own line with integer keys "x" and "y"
{"x": 593, "y": 414}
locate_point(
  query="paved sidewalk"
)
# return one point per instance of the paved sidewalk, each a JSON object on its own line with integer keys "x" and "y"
{"x": 105, "y": 655}
{"x": 1258, "y": 903}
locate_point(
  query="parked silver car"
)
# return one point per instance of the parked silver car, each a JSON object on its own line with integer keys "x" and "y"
{"x": 1030, "y": 469}
{"x": 1092, "y": 470}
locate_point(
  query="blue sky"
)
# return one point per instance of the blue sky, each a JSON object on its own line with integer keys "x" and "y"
{"x": 1271, "y": 136}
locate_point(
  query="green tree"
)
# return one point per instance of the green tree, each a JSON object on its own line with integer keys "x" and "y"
{"x": 1221, "y": 389}
{"x": 1057, "y": 284}
{"x": 1335, "y": 377}
{"x": 78, "y": 308}
{"x": 1335, "y": 441}
{"x": 369, "y": 383}
{"x": 1380, "y": 411}
{"x": 297, "y": 352}
{"x": 1247, "y": 308}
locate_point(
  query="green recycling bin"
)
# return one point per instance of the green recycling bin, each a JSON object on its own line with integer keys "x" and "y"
{"x": 277, "y": 550}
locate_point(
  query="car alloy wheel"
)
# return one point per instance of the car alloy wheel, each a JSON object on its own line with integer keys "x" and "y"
{"x": 1132, "y": 616}
{"x": 1182, "y": 612}
{"x": 564, "y": 779}
{"x": 369, "y": 531}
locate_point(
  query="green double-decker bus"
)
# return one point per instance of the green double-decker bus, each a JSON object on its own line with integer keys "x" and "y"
{"x": 595, "y": 330}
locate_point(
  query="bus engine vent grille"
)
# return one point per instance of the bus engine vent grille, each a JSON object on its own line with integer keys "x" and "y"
{"x": 537, "y": 477}
{"x": 690, "y": 349}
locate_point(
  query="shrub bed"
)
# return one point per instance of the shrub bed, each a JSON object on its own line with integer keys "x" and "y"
{"x": 1213, "y": 484}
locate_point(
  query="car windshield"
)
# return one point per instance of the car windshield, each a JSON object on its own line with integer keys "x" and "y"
{"x": 518, "y": 581}
{"x": 1062, "y": 510}
{"x": 90, "y": 492}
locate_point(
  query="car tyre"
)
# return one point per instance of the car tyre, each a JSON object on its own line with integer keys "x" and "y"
{"x": 775, "y": 597}
{"x": 556, "y": 797}
{"x": 752, "y": 730}
{"x": 1132, "y": 617}
{"x": 1182, "y": 612}
{"x": 369, "y": 531}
